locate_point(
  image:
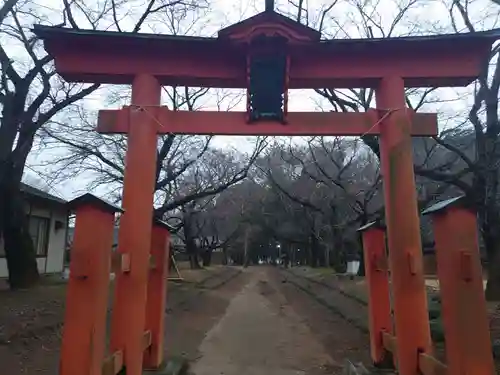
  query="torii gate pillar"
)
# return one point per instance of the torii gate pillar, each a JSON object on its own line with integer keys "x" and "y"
{"x": 403, "y": 226}
{"x": 134, "y": 237}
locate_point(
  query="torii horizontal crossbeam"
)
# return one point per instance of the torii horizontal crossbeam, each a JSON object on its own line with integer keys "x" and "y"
{"x": 235, "y": 123}
{"x": 111, "y": 57}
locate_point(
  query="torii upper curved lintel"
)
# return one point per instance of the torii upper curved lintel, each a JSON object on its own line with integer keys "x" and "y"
{"x": 111, "y": 57}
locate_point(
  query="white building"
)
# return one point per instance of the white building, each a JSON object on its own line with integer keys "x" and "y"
{"x": 48, "y": 225}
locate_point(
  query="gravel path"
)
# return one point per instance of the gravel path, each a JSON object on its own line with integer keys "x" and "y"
{"x": 259, "y": 336}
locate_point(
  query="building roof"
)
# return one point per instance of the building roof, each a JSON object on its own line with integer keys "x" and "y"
{"x": 56, "y": 32}
{"x": 95, "y": 56}
{"x": 90, "y": 199}
{"x": 163, "y": 224}
{"x": 374, "y": 224}
{"x": 35, "y": 192}
{"x": 440, "y": 207}
{"x": 258, "y": 23}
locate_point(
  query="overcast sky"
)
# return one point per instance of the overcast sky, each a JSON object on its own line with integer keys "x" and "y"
{"x": 342, "y": 22}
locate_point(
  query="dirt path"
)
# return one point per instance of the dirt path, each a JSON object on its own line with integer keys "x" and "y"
{"x": 31, "y": 321}
{"x": 342, "y": 339}
{"x": 261, "y": 334}
{"x": 251, "y": 322}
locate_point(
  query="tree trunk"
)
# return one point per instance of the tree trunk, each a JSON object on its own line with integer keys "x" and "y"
{"x": 492, "y": 244}
{"x": 492, "y": 292}
{"x": 486, "y": 191}
{"x": 224, "y": 255}
{"x": 238, "y": 258}
{"x": 361, "y": 270}
{"x": 489, "y": 222}
{"x": 246, "y": 258}
{"x": 206, "y": 257}
{"x": 19, "y": 251}
{"x": 171, "y": 260}
{"x": 314, "y": 249}
{"x": 192, "y": 251}
{"x": 191, "y": 247}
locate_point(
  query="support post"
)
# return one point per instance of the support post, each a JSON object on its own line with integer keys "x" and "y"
{"x": 379, "y": 305}
{"x": 157, "y": 294}
{"x": 84, "y": 333}
{"x": 134, "y": 237}
{"x": 464, "y": 310}
{"x": 403, "y": 226}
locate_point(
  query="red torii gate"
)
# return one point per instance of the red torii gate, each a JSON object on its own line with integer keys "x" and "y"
{"x": 148, "y": 61}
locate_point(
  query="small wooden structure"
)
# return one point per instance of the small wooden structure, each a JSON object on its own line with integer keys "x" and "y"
{"x": 377, "y": 279}
{"x": 465, "y": 319}
{"x": 84, "y": 333}
{"x": 267, "y": 55}
{"x": 464, "y": 314}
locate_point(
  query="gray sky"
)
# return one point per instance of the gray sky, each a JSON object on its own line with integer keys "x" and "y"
{"x": 343, "y": 21}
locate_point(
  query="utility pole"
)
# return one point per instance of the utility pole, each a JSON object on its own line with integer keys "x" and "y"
{"x": 245, "y": 247}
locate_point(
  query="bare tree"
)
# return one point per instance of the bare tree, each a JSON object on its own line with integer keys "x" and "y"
{"x": 189, "y": 173}
{"x": 463, "y": 159}
{"x": 193, "y": 193}
{"x": 6, "y": 9}
{"x": 32, "y": 94}
{"x": 336, "y": 184}
{"x": 476, "y": 152}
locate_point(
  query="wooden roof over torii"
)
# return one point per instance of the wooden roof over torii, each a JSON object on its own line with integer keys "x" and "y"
{"x": 423, "y": 61}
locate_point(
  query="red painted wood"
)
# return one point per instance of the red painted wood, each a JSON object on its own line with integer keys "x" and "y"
{"x": 314, "y": 66}
{"x": 84, "y": 333}
{"x": 272, "y": 22}
{"x": 157, "y": 296}
{"x": 403, "y": 229}
{"x": 464, "y": 310}
{"x": 379, "y": 305}
{"x": 134, "y": 237}
{"x": 235, "y": 123}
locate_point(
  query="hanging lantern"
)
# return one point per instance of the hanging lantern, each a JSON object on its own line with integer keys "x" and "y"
{"x": 267, "y": 79}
